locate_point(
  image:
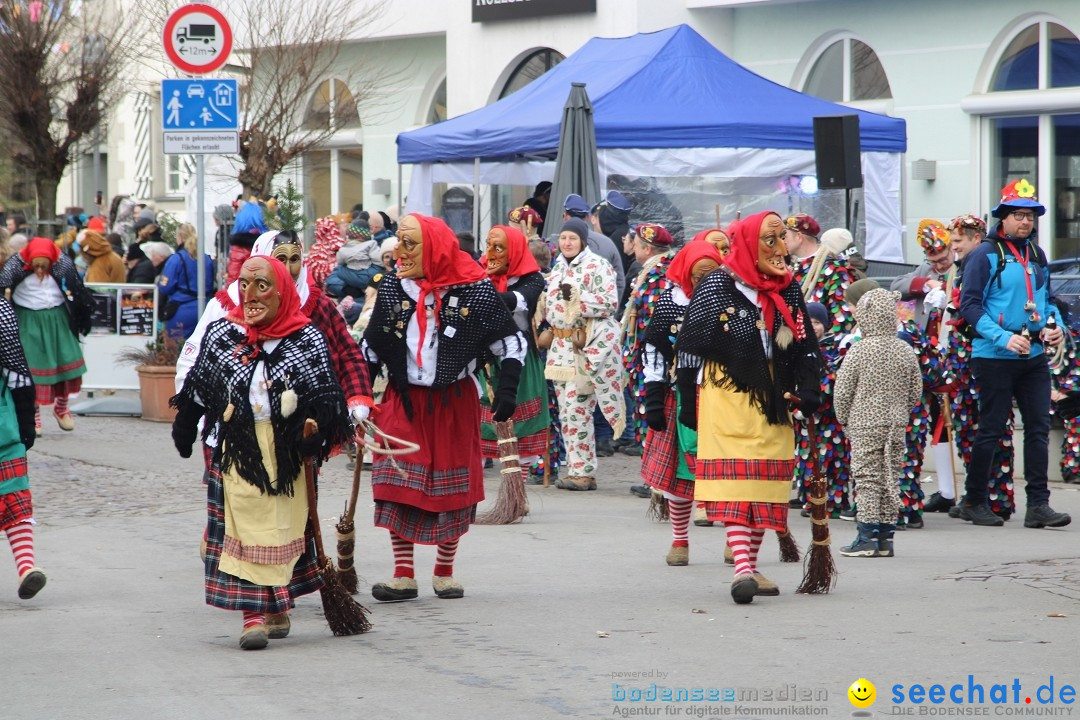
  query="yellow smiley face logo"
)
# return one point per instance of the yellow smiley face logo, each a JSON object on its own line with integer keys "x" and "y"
{"x": 862, "y": 693}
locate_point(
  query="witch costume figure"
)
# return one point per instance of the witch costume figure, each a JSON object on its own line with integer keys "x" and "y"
{"x": 520, "y": 284}
{"x": 349, "y": 365}
{"x": 261, "y": 373}
{"x": 746, "y": 349}
{"x": 434, "y": 325}
{"x": 53, "y": 308}
{"x": 668, "y": 461}
{"x": 16, "y": 437}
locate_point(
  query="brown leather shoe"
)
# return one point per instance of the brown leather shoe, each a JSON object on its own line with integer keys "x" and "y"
{"x": 65, "y": 421}
{"x": 743, "y": 589}
{"x": 699, "y": 517}
{"x": 576, "y": 482}
{"x": 729, "y": 557}
{"x": 278, "y": 625}
{"x": 765, "y": 586}
{"x": 255, "y": 637}
{"x": 678, "y": 556}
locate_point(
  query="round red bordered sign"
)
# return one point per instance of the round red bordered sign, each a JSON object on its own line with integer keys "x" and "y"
{"x": 197, "y": 39}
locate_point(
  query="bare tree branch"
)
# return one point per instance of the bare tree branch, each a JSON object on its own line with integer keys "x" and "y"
{"x": 60, "y": 64}
{"x": 286, "y": 52}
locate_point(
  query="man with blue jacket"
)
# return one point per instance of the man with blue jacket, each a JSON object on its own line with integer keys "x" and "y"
{"x": 1006, "y": 298}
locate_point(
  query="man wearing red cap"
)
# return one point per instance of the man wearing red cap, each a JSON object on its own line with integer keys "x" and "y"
{"x": 820, "y": 270}
{"x": 1006, "y": 299}
{"x": 652, "y": 248}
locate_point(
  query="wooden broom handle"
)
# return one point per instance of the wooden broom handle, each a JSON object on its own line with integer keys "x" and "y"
{"x": 310, "y": 428}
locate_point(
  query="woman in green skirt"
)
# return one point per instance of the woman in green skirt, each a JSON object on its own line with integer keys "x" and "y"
{"x": 53, "y": 309}
{"x": 519, "y": 282}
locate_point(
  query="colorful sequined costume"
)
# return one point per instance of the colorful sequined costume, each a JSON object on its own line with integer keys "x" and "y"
{"x": 833, "y": 449}
{"x": 935, "y": 373}
{"x": 1065, "y": 375}
{"x": 828, "y": 289}
{"x": 965, "y": 417}
{"x": 649, "y": 284}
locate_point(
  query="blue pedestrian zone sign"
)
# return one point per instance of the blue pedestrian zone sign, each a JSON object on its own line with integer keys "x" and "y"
{"x": 202, "y": 104}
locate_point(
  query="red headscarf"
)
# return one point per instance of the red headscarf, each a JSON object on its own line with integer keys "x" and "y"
{"x": 682, "y": 264}
{"x": 288, "y": 320}
{"x": 700, "y": 237}
{"x": 445, "y": 265}
{"x": 39, "y": 247}
{"x": 743, "y": 260}
{"x": 519, "y": 259}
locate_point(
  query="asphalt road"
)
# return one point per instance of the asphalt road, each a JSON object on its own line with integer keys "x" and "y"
{"x": 572, "y": 613}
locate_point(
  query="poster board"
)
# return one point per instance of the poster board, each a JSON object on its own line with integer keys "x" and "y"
{"x": 124, "y": 315}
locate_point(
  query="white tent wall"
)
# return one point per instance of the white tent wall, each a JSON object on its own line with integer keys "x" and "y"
{"x": 881, "y": 178}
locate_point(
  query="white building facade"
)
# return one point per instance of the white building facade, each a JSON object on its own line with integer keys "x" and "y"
{"x": 990, "y": 92}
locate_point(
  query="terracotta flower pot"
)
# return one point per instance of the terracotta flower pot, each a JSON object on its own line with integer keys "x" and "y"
{"x": 155, "y": 389}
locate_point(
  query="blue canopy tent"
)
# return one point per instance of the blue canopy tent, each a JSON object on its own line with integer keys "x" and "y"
{"x": 668, "y": 104}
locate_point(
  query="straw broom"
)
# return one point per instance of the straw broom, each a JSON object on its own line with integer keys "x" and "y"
{"x": 819, "y": 571}
{"x": 344, "y": 615}
{"x": 346, "y": 532}
{"x": 511, "y": 505}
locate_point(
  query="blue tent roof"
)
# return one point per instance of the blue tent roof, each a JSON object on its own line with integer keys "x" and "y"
{"x": 652, "y": 90}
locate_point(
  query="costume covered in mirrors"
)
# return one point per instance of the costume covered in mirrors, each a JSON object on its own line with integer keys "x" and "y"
{"x": 645, "y": 288}
{"x": 824, "y": 276}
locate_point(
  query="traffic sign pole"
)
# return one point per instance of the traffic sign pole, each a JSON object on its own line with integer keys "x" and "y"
{"x": 200, "y": 191}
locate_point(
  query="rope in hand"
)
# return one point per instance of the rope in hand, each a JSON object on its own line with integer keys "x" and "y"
{"x": 382, "y": 442}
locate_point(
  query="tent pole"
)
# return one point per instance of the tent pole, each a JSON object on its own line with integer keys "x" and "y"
{"x": 476, "y": 198}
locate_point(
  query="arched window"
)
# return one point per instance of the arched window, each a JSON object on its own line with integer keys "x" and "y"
{"x": 437, "y": 111}
{"x": 1029, "y": 139}
{"x": 530, "y": 68}
{"x": 332, "y": 99}
{"x": 848, "y": 70}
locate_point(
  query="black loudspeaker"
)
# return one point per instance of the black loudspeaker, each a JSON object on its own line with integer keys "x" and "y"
{"x": 836, "y": 151}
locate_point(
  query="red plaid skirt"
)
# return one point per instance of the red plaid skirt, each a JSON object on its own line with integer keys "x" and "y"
{"x": 660, "y": 458}
{"x": 229, "y": 592}
{"x": 535, "y": 444}
{"x": 430, "y": 496}
{"x": 47, "y": 394}
{"x": 757, "y": 515}
{"x": 15, "y": 507}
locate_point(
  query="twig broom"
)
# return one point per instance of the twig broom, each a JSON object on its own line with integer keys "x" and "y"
{"x": 344, "y": 615}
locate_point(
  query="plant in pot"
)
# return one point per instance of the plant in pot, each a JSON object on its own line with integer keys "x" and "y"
{"x": 155, "y": 364}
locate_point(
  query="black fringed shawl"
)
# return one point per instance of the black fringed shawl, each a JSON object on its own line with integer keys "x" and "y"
{"x": 664, "y": 324}
{"x": 531, "y": 287}
{"x": 478, "y": 316}
{"x": 223, "y": 373}
{"x": 721, "y": 326}
{"x": 13, "y": 367}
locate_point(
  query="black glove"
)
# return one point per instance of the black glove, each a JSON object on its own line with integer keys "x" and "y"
{"x": 808, "y": 402}
{"x": 510, "y": 300}
{"x": 686, "y": 379}
{"x": 1068, "y": 408}
{"x": 185, "y": 427}
{"x": 24, "y": 414}
{"x": 655, "y": 395}
{"x": 505, "y": 400}
{"x": 566, "y": 291}
{"x": 310, "y": 446}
